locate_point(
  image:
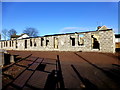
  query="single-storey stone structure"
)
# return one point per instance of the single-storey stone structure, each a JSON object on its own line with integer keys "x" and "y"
{"x": 98, "y": 41}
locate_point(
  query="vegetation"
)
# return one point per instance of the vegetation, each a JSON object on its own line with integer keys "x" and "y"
{"x": 7, "y": 33}
{"x": 31, "y": 31}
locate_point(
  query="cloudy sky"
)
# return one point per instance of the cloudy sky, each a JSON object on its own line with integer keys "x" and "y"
{"x": 59, "y": 17}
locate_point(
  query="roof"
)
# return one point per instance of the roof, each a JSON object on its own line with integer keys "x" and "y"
{"x": 102, "y": 28}
{"x": 75, "y": 32}
{"x": 16, "y": 36}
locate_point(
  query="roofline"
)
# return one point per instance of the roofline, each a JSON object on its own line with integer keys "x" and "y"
{"x": 58, "y": 34}
{"x": 76, "y": 32}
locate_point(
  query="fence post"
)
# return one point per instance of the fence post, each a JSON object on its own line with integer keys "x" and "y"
{"x": 1, "y": 58}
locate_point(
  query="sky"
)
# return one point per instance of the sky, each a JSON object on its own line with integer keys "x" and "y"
{"x": 59, "y": 17}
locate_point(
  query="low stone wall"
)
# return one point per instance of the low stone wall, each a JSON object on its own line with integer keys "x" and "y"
{"x": 1, "y": 57}
{"x": 98, "y": 41}
{"x": 5, "y": 58}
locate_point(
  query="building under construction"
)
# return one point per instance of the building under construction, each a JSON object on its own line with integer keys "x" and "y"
{"x": 101, "y": 40}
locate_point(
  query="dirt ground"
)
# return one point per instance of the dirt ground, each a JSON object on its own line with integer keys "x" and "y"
{"x": 82, "y": 70}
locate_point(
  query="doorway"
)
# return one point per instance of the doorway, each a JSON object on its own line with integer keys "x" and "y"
{"x": 95, "y": 43}
{"x": 25, "y": 43}
{"x": 56, "y": 43}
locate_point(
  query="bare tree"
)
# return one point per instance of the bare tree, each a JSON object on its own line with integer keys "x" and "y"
{"x": 5, "y": 34}
{"x": 31, "y": 31}
{"x": 11, "y": 32}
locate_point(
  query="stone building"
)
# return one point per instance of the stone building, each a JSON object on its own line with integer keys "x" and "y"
{"x": 101, "y": 40}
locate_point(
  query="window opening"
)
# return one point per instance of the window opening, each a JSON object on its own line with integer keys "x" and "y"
{"x": 42, "y": 41}
{"x": 81, "y": 40}
{"x": 72, "y": 41}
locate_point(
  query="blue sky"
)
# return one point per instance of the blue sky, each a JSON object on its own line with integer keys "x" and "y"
{"x": 59, "y": 17}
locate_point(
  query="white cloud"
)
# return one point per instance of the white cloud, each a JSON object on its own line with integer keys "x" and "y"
{"x": 76, "y": 29}
{"x": 83, "y": 29}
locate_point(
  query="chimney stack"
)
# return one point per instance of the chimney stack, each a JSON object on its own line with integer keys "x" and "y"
{"x": 98, "y": 28}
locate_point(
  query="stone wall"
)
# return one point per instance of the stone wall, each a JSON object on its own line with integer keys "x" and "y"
{"x": 100, "y": 41}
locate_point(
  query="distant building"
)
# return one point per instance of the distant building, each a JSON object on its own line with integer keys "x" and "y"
{"x": 102, "y": 28}
{"x": 15, "y": 37}
{"x": 117, "y": 42}
{"x": 0, "y": 36}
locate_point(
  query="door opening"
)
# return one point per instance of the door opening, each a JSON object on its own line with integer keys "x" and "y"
{"x": 25, "y": 43}
{"x": 56, "y": 43}
{"x": 95, "y": 43}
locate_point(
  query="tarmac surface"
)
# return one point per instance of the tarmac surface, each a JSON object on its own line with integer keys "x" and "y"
{"x": 66, "y": 70}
